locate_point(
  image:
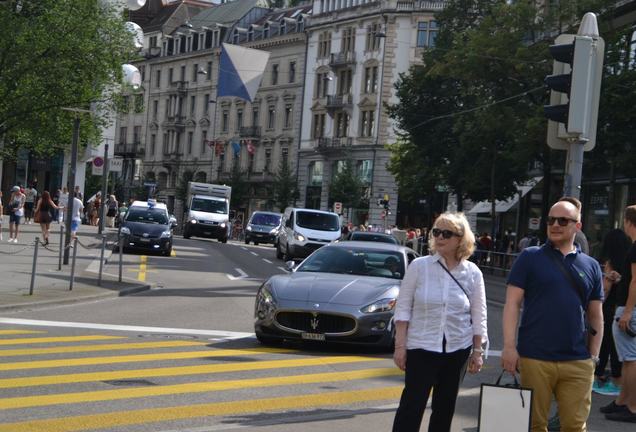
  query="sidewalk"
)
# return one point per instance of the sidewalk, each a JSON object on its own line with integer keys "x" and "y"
{"x": 51, "y": 286}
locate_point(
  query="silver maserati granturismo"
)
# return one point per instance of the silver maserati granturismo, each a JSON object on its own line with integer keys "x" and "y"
{"x": 343, "y": 292}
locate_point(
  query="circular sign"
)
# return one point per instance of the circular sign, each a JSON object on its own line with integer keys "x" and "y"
{"x": 98, "y": 161}
{"x": 534, "y": 223}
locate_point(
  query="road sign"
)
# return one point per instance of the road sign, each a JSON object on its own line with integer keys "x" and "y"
{"x": 116, "y": 165}
{"x": 98, "y": 166}
{"x": 534, "y": 223}
{"x": 337, "y": 207}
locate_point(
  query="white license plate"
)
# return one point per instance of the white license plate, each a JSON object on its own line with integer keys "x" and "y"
{"x": 144, "y": 240}
{"x": 313, "y": 336}
{"x": 207, "y": 232}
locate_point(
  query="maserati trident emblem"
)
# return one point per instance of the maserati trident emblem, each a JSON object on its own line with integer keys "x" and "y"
{"x": 314, "y": 322}
{"x": 145, "y": 234}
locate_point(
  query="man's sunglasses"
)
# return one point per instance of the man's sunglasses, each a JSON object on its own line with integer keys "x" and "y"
{"x": 445, "y": 233}
{"x": 562, "y": 221}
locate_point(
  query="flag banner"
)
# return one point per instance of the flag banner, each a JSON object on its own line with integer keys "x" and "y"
{"x": 240, "y": 71}
{"x": 250, "y": 147}
{"x": 236, "y": 146}
{"x": 208, "y": 143}
{"x": 219, "y": 148}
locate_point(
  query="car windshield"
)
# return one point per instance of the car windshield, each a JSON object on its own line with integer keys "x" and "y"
{"x": 265, "y": 219}
{"x": 149, "y": 215}
{"x": 318, "y": 221}
{"x": 209, "y": 206}
{"x": 373, "y": 237}
{"x": 355, "y": 261}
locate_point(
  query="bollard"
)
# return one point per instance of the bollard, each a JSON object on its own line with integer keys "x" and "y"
{"x": 70, "y": 288}
{"x": 35, "y": 259}
{"x": 121, "y": 254}
{"x": 101, "y": 261}
{"x": 59, "y": 263}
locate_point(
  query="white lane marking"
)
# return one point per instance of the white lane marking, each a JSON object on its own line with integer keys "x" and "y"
{"x": 129, "y": 328}
{"x": 267, "y": 261}
{"x": 242, "y": 274}
{"x": 243, "y": 247}
{"x": 254, "y": 253}
{"x": 283, "y": 269}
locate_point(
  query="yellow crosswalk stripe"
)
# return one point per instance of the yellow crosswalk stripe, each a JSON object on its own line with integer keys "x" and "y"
{"x": 101, "y": 347}
{"x": 25, "y": 341}
{"x": 179, "y": 371}
{"x": 17, "y": 332}
{"x": 86, "y": 361}
{"x": 198, "y": 387}
{"x": 154, "y": 415}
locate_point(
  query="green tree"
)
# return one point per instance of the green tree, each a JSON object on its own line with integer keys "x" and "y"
{"x": 55, "y": 54}
{"x": 347, "y": 187}
{"x": 181, "y": 192}
{"x": 284, "y": 191}
{"x": 240, "y": 187}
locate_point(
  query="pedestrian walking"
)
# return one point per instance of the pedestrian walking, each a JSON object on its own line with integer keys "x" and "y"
{"x": 56, "y": 201}
{"x": 624, "y": 329}
{"x": 30, "y": 197}
{"x": 44, "y": 212}
{"x": 16, "y": 211}
{"x": 77, "y": 193}
{"x": 111, "y": 211}
{"x": 440, "y": 320}
{"x": 63, "y": 204}
{"x": 613, "y": 254}
{"x": 76, "y": 219}
{"x": 95, "y": 209}
{"x": 555, "y": 352}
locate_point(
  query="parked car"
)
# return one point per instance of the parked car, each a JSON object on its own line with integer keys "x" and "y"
{"x": 262, "y": 227}
{"x": 147, "y": 227}
{"x": 344, "y": 292}
{"x": 371, "y": 236}
{"x": 305, "y": 230}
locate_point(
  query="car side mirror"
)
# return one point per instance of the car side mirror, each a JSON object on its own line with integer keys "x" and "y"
{"x": 173, "y": 221}
{"x": 290, "y": 265}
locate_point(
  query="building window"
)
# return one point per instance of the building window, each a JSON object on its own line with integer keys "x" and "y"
{"x": 342, "y": 124}
{"x": 190, "y": 138}
{"x": 153, "y": 41}
{"x": 271, "y": 117}
{"x": 315, "y": 173}
{"x": 318, "y": 128}
{"x": 292, "y": 72}
{"x": 142, "y": 71}
{"x": 345, "y": 78}
{"x": 136, "y": 135}
{"x": 371, "y": 79}
{"x": 322, "y": 84}
{"x": 426, "y": 33}
{"x": 195, "y": 68}
{"x": 123, "y": 132}
{"x": 193, "y": 106}
{"x": 155, "y": 109}
{"x": 158, "y": 79}
{"x": 288, "y": 116}
{"x": 239, "y": 119}
{"x": 268, "y": 160}
{"x": 208, "y": 71}
{"x": 206, "y": 104}
{"x": 324, "y": 45}
{"x": 167, "y": 110}
{"x": 195, "y": 42}
{"x": 367, "y": 120}
{"x": 372, "y": 39}
{"x": 204, "y": 138}
{"x": 170, "y": 76}
{"x": 224, "y": 121}
{"x": 284, "y": 155}
{"x": 255, "y": 118}
{"x": 250, "y": 162}
{"x": 274, "y": 74}
{"x": 365, "y": 170}
{"x": 164, "y": 144}
{"x": 153, "y": 144}
{"x": 348, "y": 40}
{"x": 182, "y": 74}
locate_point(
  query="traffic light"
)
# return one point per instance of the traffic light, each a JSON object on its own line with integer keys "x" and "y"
{"x": 575, "y": 90}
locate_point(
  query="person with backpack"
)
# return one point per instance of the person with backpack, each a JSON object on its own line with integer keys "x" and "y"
{"x": 112, "y": 207}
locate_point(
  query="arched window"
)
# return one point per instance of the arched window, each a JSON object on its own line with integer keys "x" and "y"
{"x": 163, "y": 180}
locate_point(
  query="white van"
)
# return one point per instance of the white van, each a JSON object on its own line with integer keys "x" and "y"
{"x": 305, "y": 230}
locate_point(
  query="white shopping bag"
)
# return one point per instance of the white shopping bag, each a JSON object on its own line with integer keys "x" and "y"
{"x": 504, "y": 407}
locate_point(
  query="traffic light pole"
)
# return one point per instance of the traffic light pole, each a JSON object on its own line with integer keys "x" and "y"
{"x": 573, "y": 169}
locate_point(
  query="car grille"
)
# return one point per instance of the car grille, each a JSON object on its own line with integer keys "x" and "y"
{"x": 318, "y": 240}
{"x": 316, "y": 322}
{"x": 139, "y": 235}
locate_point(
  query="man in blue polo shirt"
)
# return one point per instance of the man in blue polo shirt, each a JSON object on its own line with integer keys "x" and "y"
{"x": 561, "y": 290}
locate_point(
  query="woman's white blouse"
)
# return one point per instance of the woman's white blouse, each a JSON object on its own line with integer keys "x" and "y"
{"x": 435, "y": 306}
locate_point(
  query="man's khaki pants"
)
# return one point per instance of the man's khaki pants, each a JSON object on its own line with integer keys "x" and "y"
{"x": 571, "y": 384}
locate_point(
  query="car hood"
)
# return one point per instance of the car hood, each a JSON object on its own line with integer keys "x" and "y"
{"x": 138, "y": 228}
{"x": 330, "y": 288}
{"x": 262, "y": 228}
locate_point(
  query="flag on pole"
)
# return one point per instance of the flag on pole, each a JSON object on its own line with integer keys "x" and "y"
{"x": 240, "y": 71}
{"x": 236, "y": 146}
{"x": 218, "y": 149}
{"x": 250, "y": 147}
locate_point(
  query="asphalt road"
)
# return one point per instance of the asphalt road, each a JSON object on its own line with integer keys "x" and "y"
{"x": 181, "y": 357}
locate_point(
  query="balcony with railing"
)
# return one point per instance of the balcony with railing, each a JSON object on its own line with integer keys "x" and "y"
{"x": 335, "y": 102}
{"x": 342, "y": 59}
{"x": 329, "y": 144}
{"x": 180, "y": 87}
{"x": 250, "y": 131}
{"x": 175, "y": 121}
{"x": 426, "y": 5}
{"x": 129, "y": 149}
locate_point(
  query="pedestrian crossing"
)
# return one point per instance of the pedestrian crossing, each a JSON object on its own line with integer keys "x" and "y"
{"x": 54, "y": 383}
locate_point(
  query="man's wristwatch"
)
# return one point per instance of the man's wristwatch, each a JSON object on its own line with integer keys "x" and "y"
{"x": 595, "y": 359}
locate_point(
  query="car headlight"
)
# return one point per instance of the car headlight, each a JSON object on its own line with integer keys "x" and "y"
{"x": 274, "y": 231}
{"x": 383, "y": 305}
{"x": 299, "y": 236}
{"x": 125, "y": 230}
{"x": 249, "y": 228}
{"x": 223, "y": 225}
{"x": 265, "y": 303}
{"x": 166, "y": 234}
{"x": 193, "y": 221}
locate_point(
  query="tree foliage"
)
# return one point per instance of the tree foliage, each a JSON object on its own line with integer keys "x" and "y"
{"x": 55, "y": 54}
{"x": 284, "y": 191}
{"x": 347, "y": 187}
{"x": 240, "y": 187}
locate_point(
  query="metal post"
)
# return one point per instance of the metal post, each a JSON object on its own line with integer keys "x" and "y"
{"x": 100, "y": 210}
{"x": 121, "y": 254}
{"x": 71, "y": 187}
{"x": 35, "y": 259}
{"x": 59, "y": 262}
{"x": 101, "y": 261}
{"x": 573, "y": 169}
{"x": 70, "y": 288}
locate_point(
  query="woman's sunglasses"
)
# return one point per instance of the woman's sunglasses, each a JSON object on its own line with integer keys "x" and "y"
{"x": 445, "y": 233}
{"x": 562, "y": 221}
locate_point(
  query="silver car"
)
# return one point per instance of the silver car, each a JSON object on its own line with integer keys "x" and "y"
{"x": 343, "y": 292}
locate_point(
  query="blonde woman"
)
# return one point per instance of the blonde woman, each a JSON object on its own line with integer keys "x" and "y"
{"x": 440, "y": 321}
